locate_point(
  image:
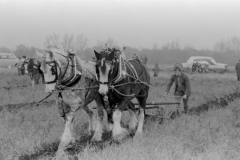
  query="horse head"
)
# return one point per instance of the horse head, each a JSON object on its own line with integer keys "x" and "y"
{"x": 106, "y": 68}
{"x": 51, "y": 63}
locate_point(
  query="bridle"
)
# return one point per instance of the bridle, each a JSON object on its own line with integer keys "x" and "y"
{"x": 62, "y": 83}
{"x": 112, "y": 64}
{"x": 54, "y": 69}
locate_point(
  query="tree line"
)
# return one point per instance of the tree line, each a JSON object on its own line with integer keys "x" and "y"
{"x": 224, "y": 51}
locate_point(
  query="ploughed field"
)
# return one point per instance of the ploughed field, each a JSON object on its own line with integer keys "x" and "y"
{"x": 211, "y": 131}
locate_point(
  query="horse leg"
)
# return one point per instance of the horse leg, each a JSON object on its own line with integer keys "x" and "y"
{"x": 142, "y": 104}
{"x": 118, "y": 132}
{"x": 110, "y": 122}
{"x": 133, "y": 118}
{"x": 33, "y": 83}
{"x": 99, "y": 126}
{"x": 90, "y": 114}
{"x": 67, "y": 135}
{"x": 89, "y": 97}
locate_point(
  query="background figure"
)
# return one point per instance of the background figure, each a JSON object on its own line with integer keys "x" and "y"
{"x": 24, "y": 64}
{"x": 144, "y": 59}
{"x": 94, "y": 59}
{"x": 135, "y": 56}
{"x": 237, "y": 68}
{"x": 194, "y": 67}
{"x": 141, "y": 59}
{"x": 34, "y": 71}
{"x": 19, "y": 66}
{"x": 156, "y": 70}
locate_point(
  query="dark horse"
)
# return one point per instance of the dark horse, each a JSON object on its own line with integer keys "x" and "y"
{"x": 120, "y": 93}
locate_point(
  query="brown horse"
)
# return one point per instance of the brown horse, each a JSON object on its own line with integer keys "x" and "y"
{"x": 121, "y": 92}
{"x": 52, "y": 65}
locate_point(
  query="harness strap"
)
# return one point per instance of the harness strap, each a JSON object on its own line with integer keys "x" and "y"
{"x": 133, "y": 70}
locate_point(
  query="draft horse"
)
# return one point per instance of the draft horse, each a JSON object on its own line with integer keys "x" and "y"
{"x": 120, "y": 93}
{"x": 52, "y": 65}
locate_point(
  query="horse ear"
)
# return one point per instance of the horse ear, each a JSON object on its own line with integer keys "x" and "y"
{"x": 111, "y": 55}
{"x": 97, "y": 55}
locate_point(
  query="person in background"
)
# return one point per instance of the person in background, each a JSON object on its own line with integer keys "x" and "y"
{"x": 194, "y": 67}
{"x": 94, "y": 59}
{"x": 19, "y": 66}
{"x": 135, "y": 56}
{"x": 182, "y": 86}
{"x": 36, "y": 74}
{"x": 144, "y": 59}
{"x": 24, "y": 63}
{"x": 122, "y": 53}
{"x": 156, "y": 70}
{"x": 237, "y": 69}
{"x": 141, "y": 59}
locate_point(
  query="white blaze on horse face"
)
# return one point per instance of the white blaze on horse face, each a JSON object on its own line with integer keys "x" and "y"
{"x": 103, "y": 77}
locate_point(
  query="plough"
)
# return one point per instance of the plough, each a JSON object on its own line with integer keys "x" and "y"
{"x": 163, "y": 109}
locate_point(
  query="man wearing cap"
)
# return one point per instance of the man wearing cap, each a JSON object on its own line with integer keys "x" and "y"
{"x": 182, "y": 86}
{"x": 237, "y": 68}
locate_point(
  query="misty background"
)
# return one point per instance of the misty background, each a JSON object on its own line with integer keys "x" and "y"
{"x": 164, "y": 30}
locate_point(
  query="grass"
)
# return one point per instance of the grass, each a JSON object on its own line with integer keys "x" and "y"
{"x": 212, "y": 135}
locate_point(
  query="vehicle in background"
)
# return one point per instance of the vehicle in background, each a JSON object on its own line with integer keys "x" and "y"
{"x": 212, "y": 64}
{"x": 8, "y": 60}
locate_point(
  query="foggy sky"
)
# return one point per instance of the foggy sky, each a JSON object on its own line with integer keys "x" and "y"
{"x": 137, "y": 23}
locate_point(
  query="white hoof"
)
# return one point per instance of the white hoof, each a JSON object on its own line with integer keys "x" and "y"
{"x": 60, "y": 155}
{"x": 121, "y": 135}
{"x": 110, "y": 127}
{"x": 139, "y": 133}
{"x": 96, "y": 137}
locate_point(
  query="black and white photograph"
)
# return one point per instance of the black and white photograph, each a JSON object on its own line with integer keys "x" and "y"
{"x": 119, "y": 80}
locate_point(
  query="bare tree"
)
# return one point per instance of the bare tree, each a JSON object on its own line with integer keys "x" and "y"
{"x": 110, "y": 43}
{"x": 4, "y": 49}
{"x": 68, "y": 42}
{"x": 232, "y": 45}
{"x": 52, "y": 41}
{"x": 80, "y": 44}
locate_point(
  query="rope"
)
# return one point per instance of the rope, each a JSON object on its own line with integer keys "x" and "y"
{"x": 44, "y": 99}
{"x": 112, "y": 87}
{"x": 147, "y": 84}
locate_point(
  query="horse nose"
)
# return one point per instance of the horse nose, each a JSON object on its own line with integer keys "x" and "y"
{"x": 103, "y": 92}
{"x": 103, "y": 89}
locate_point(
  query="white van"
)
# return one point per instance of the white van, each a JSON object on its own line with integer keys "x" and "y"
{"x": 8, "y": 60}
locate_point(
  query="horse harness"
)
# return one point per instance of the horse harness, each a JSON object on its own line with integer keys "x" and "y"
{"x": 114, "y": 83}
{"x": 70, "y": 81}
{"x": 61, "y": 83}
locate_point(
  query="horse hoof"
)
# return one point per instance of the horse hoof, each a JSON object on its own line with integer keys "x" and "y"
{"x": 91, "y": 133}
{"x": 121, "y": 136}
{"x": 96, "y": 138}
{"x": 138, "y": 135}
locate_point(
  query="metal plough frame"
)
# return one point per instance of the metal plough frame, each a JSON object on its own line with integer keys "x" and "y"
{"x": 162, "y": 107}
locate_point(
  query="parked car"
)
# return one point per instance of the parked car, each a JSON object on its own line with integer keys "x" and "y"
{"x": 212, "y": 64}
{"x": 8, "y": 60}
